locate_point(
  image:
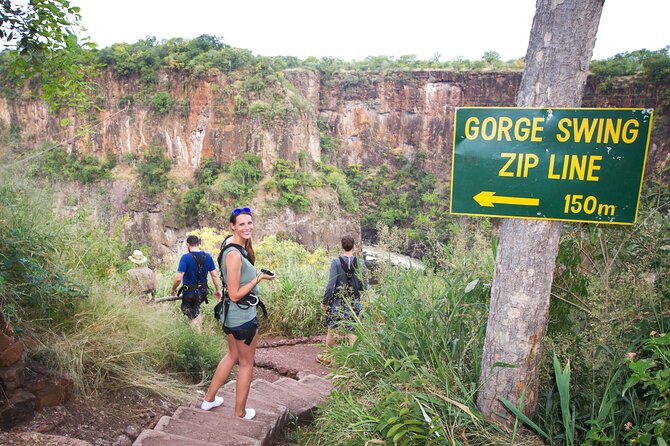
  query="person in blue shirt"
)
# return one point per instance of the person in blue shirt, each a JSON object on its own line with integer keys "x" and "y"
{"x": 192, "y": 272}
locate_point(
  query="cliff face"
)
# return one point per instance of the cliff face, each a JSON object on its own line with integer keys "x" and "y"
{"x": 406, "y": 112}
{"x": 372, "y": 115}
{"x": 204, "y": 121}
{"x": 410, "y": 111}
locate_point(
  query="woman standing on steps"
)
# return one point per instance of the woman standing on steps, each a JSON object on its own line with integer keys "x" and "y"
{"x": 240, "y": 326}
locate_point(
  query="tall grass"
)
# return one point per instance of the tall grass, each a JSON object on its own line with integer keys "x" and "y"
{"x": 62, "y": 288}
{"x": 294, "y": 297}
{"x": 412, "y": 375}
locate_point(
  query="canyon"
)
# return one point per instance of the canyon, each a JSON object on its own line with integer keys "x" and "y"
{"x": 373, "y": 117}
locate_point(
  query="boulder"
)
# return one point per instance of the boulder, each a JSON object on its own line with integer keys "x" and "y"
{"x": 13, "y": 376}
{"x": 18, "y": 408}
{"x": 50, "y": 388}
{"x": 12, "y": 354}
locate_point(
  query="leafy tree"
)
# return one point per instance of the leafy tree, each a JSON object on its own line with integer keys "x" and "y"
{"x": 208, "y": 171}
{"x": 162, "y": 102}
{"x": 491, "y": 57}
{"x": 41, "y": 37}
{"x": 153, "y": 169}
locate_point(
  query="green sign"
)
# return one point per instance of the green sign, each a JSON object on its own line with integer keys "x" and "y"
{"x": 549, "y": 163}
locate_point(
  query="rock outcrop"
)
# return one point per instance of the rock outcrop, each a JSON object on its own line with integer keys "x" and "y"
{"x": 25, "y": 385}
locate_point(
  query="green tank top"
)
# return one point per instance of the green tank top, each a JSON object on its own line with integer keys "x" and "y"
{"x": 236, "y": 315}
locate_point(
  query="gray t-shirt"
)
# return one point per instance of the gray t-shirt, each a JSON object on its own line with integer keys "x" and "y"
{"x": 236, "y": 315}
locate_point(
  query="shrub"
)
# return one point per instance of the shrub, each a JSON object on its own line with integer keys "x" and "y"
{"x": 162, "y": 102}
{"x": 240, "y": 179}
{"x": 339, "y": 182}
{"x": 291, "y": 184}
{"x": 153, "y": 169}
{"x": 58, "y": 165}
{"x": 412, "y": 375}
{"x": 294, "y": 297}
{"x": 207, "y": 172}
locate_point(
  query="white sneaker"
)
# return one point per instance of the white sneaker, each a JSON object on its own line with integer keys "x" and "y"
{"x": 249, "y": 414}
{"x": 206, "y": 405}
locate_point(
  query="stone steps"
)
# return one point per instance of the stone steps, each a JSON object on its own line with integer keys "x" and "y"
{"x": 275, "y": 404}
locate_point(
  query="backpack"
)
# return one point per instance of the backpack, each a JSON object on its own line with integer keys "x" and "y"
{"x": 350, "y": 284}
{"x": 221, "y": 308}
{"x": 200, "y": 288}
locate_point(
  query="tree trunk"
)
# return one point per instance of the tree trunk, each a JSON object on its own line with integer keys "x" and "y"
{"x": 559, "y": 51}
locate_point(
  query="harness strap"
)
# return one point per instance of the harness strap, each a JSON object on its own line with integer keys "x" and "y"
{"x": 200, "y": 286}
{"x": 243, "y": 303}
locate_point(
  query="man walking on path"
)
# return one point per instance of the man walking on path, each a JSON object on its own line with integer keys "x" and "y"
{"x": 192, "y": 271}
{"x": 341, "y": 300}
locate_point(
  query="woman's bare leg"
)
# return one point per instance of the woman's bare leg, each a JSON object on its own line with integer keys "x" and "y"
{"x": 244, "y": 374}
{"x": 223, "y": 369}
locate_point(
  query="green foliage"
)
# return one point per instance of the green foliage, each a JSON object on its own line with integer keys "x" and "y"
{"x": 58, "y": 165}
{"x": 610, "y": 293}
{"x": 192, "y": 201}
{"x": 241, "y": 107}
{"x": 46, "y": 261}
{"x": 291, "y": 184}
{"x": 635, "y": 62}
{"x": 652, "y": 66}
{"x": 129, "y": 59}
{"x": 329, "y": 143}
{"x": 239, "y": 180}
{"x": 207, "y": 172}
{"x": 153, "y": 169}
{"x": 162, "y": 102}
{"x": 649, "y": 389}
{"x": 193, "y": 357}
{"x": 42, "y": 38}
{"x": 338, "y": 181}
{"x": 413, "y": 372}
{"x": 294, "y": 296}
{"x": 403, "y": 196}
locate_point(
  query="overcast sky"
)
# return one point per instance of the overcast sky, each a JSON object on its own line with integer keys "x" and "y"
{"x": 355, "y": 29}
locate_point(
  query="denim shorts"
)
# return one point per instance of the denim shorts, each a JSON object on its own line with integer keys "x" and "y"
{"x": 245, "y": 332}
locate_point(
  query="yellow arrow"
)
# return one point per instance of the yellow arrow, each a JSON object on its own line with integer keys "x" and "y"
{"x": 488, "y": 199}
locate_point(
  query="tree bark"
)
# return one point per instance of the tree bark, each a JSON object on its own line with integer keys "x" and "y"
{"x": 559, "y": 51}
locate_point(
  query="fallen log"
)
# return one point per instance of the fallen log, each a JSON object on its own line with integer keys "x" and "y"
{"x": 166, "y": 299}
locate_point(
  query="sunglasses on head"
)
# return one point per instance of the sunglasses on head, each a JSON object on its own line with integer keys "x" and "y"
{"x": 238, "y": 211}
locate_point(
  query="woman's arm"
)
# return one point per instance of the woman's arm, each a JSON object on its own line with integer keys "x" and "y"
{"x": 233, "y": 272}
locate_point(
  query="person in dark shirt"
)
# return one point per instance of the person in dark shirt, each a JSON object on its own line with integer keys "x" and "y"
{"x": 192, "y": 272}
{"x": 340, "y": 302}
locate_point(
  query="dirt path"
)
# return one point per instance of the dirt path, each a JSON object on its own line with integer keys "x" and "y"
{"x": 116, "y": 421}
{"x": 277, "y": 357}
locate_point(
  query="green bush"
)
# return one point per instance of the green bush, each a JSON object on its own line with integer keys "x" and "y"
{"x": 58, "y": 165}
{"x": 413, "y": 372}
{"x": 291, "y": 185}
{"x": 46, "y": 261}
{"x": 339, "y": 182}
{"x": 648, "y": 388}
{"x": 239, "y": 180}
{"x": 153, "y": 168}
{"x": 162, "y": 102}
{"x": 293, "y": 298}
{"x": 207, "y": 172}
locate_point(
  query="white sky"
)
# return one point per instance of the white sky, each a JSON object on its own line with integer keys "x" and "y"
{"x": 355, "y": 29}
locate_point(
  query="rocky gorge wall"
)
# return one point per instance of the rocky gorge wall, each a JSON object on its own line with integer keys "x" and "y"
{"x": 373, "y": 116}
